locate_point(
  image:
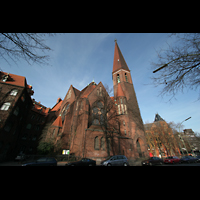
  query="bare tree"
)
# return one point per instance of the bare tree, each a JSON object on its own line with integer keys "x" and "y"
{"x": 27, "y": 46}
{"x": 178, "y": 67}
{"x": 104, "y": 113}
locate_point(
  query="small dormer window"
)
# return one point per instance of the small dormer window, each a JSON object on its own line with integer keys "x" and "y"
{"x": 5, "y": 106}
{"x": 5, "y": 77}
{"x": 14, "y": 92}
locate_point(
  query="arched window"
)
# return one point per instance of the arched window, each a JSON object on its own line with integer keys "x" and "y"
{"x": 102, "y": 143}
{"x": 96, "y": 143}
{"x": 126, "y": 78}
{"x": 54, "y": 132}
{"x": 100, "y": 92}
{"x": 14, "y": 92}
{"x": 139, "y": 149}
{"x": 118, "y": 78}
{"x": 97, "y": 113}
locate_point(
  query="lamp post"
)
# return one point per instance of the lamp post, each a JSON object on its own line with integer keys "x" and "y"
{"x": 180, "y": 133}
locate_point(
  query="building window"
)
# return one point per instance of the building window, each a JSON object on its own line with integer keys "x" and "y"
{"x": 125, "y": 131}
{"x": 14, "y": 92}
{"x": 8, "y": 126}
{"x": 97, "y": 92}
{"x": 34, "y": 138}
{"x": 118, "y": 78}
{"x": 77, "y": 105}
{"x": 5, "y": 106}
{"x": 119, "y": 110}
{"x": 95, "y": 122}
{"x": 16, "y": 111}
{"x": 122, "y": 108}
{"x": 100, "y": 92}
{"x": 96, "y": 143}
{"x": 28, "y": 126}
{"x": 33, "y": 116}
{"x": 126, "y": 77}
{"x": 102, "y": 143}
{"x": 24, "y": 137}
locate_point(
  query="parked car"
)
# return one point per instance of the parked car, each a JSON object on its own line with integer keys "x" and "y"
{"x": 198, "y": 158}
{"x": 152, "y": 161}
{"x": 45, "y": 161}
{"x": 188, "y": 159}
{"x": 118, "y": 160}
{"x": 83, "y": 162}
{"x": 171, "y": 159}
{"x": 20, "y": 157}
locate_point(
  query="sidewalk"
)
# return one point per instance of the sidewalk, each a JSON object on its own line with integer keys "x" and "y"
{"x": 10, "y": 163}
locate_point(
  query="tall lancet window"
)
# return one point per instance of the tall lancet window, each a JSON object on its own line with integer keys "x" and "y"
{"x": 126, "y": 77}
{"x": 125, "y": 108}
{"x": 118, "y": 78}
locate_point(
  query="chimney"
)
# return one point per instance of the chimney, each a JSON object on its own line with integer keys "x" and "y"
{"x": 58, "y": 100}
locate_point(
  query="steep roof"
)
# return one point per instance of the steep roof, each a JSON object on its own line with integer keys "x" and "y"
{"x": 57, "y": 106}
{"x": 87, "y": 90}
{"x": 120, "y": 92}
{"x": 158, "y": 118}
{"x": 58, "y": 121}
{"x": 119, "y": 61}
{"x": 13, "y": 79}
{"x": 76, "y": 91}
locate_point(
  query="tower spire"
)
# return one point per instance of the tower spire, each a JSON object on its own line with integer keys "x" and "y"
{"x": 119, "y": 61}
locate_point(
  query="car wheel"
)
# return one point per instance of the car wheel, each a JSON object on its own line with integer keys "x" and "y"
{"x": 161, "y": 163}
{"x": 125, "y": 164}
{"x": 108, "y": 164}
{"x": 173, "y": 162}
{"x": 150, "y": 164}
{"x": 90, "y": 165}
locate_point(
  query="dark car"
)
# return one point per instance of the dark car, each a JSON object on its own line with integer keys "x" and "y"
{"x": 188, "y": 159}
{"x": 83, "y": 162}
{"x": 118, "y": 160}
{"x": 45, "y": 161}
{"x": 152, "y": 161}
{"x": 198, "y": 158}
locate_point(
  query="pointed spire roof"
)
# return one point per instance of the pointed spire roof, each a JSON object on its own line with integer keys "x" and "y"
{"x": 119, "y": 61}
{"x": 58, "y": 121}
{"x": 158, "y": 118}
{"x": 120, "y": 92}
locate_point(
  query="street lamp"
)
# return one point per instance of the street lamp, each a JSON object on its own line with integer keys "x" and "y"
{"x": 180, "y": 134}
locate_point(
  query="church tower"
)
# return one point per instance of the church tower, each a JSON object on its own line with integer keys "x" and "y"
{"x": 127, "y": 104}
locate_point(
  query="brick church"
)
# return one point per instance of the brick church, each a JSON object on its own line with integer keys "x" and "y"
{"x": 92, "y": 124}
{"x": 88, "y": 123}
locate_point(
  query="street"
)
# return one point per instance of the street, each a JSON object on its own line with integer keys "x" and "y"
{"x": 63, "y": 164}
{"x": 182, "y": 164}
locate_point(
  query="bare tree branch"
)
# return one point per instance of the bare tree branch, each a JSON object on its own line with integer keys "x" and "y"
{"x": 27, "y": 46}
{"x": 179, "y": 66}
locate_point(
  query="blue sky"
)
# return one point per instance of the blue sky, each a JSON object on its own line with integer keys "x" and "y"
{"x": 78, "y": 58}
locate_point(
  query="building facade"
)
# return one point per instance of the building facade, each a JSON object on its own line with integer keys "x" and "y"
{"x": 20, "y": 117}
{"x": 88, "y": 123}
{"x": 160, "y": 139}
{"x": 92, "y": 124}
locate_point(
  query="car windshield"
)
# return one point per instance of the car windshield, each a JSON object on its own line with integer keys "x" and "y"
{"x": 41, "y": 160}
{"x": 108, "y": 158}
{"x": 169, "y": 157}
